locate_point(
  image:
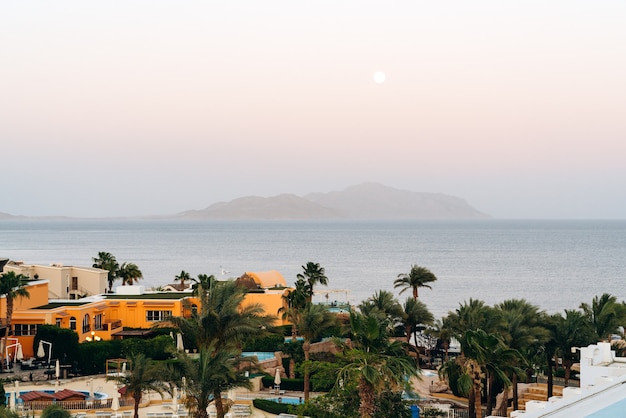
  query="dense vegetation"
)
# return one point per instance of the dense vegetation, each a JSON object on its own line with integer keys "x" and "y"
{"x": 378, "y": 347}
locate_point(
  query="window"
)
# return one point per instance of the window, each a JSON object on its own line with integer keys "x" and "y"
{"x": 97, "y": 321}
{"x": 73, "y": 323}
{"x": 24, "y": 329}
{"x": 86, "y": 324}
{"x": 194, "y": 309}
{"x": 58, "y": 322}
{"x": 157, "y": 315}
{"x": 74, "y": 283}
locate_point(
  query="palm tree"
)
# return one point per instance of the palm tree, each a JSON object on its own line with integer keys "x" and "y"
{"x": 202, "y": 286}
{"x": 11, "y": 286}
{"x": 415, "y": 313}
{"x": 223, "y": 325}
{"x": 416, "y": 278}
{"x": 130, "y": 273}
{"x": 213, "y": 370}
{"x": 107, "y": 261}
{"x": 605, "y": 315}
{"x": 575, "y": 330}
{"x": 522, "y": 331}
{"x": 182, "y": 277}
{"x": 313, "y": 273}
{"x": 375, "y": 371}
{"x": 314, "y": 321}
{"x": 145, "y": 376}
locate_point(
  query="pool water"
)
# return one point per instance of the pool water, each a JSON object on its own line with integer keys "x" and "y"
{"x": 290, "y": 401}
{"x": 260, "y": 355}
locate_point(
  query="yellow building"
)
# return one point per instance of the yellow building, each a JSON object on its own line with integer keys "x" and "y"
{"x": 105, "y": 315}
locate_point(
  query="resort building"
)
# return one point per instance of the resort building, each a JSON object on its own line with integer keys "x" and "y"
{"x": 106, "y": 315}
{"x": 602, "y": 391}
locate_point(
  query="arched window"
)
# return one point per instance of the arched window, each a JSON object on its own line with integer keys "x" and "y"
{"x": 86, "y": 324}
{"x": 194, "y": 309}
{"x": 73, "y": 323}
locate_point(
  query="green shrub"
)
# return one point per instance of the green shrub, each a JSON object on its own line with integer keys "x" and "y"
{"x": 55, "y": 411}
{"x": 271, "y": 406}
{"x": 286, "y": 383}
{"x": 272, "y": 342}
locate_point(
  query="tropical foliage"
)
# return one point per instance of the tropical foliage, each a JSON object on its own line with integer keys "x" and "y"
{"x": 12, "y": 287}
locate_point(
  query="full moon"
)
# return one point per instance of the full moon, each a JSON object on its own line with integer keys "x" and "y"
{"x": 379, "y": 77}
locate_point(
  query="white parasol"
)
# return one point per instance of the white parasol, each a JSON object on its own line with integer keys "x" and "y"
{"x": 179, "y": 342}
{"x": 91, "y": 388}
{"x": 124, "y": 368}
{"x": 12, "y": 402}
{"x": 41, "y": 352}
{"x": 277, "y": 379}
{"x": 115, "y": 403}
{"x": 19, "y": 355}
{"x": 17, "y": 389}
{"x": 57, "y": 369}
{"x": 175, "y": 399}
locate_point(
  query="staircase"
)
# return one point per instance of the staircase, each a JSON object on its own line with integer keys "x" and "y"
{"x": 536, "y": 392}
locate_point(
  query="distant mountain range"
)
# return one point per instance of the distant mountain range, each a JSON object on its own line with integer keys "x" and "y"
{"x": 368, "y": 201}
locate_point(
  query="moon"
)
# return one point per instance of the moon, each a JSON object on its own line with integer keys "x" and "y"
{"x": 379, "y": 77}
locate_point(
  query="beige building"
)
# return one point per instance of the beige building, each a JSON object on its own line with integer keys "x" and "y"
{"x": 64, "y": 282}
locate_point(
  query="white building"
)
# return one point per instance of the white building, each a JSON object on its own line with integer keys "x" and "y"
{"x": 602, "y": 391}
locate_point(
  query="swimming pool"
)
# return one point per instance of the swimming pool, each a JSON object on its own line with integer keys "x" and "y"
{"x": 260, "y": 355}
{"x": 287, "y": 400}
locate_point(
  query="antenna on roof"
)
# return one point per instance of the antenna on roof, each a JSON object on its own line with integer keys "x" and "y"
{"x": 224, "y": 272}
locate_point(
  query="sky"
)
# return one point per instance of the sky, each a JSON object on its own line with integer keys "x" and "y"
{"x": 124, "y": 108}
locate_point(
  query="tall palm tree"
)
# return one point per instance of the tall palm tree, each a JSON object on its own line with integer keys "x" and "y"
{"x": 314, "y": 321}
{"x": 375, "y": 372}
{"x": 145, "y": 375}
{"x": 418, "y": 277}
{"x": 313, "y": 273}
{"x": 605, "y": 315}
{"x": 212, "y": 370}
{"x": 522, "y": 331}
{"x": 223, "y": 325}
{"x": 11, "y": 286}
{"x": 129, "y": 273}
{"x": 415, "y": 313}
{"x": 575, "y": 330}
{"x": 202, "y": 286}
{"x": 106, "y": 261}
{"x": 182, "y": 277}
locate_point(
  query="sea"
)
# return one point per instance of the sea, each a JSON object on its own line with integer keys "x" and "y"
{"x": 554, "y": 264}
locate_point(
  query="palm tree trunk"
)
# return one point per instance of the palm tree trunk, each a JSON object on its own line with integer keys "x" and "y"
{"x": 137, "y": 400}
{"x": 515, "y": 394}
{"x": 219, "y": 405}
{"x": 366, "y": 394}
{"x": 490, "y": 394}
{"x": 9, "y": 300}
{"x": 306, "y": 347}
{"x": 550, "y": 375}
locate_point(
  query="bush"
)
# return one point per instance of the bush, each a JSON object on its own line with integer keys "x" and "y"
{"x": 272, "y": 342}
{"x": 55, "y": 411}
{"x": 271, "y": 406}
{"x": 286, "y": 384}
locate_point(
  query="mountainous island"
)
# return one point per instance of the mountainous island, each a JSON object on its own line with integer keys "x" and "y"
{"x": 368, "y": 201}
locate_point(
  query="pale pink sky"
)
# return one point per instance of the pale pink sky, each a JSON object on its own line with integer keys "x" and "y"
{"x": 155, "y": 107}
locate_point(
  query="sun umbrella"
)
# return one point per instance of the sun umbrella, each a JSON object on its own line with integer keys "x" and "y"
{"x": 57, "y": 369}
{"x": 277, "y": 379}
{"x": 91, "y": 388}
{"x": 40, "y": 350}
{"x": 179, "y": 342}
{"x": 175, "y": 400}
{"x": 124, "y": 368}
{"x": 115, "y": 403}
{"x": 19, "y": 355}
{"x": 12, "y": 402}
{"x": 17, "y": 388}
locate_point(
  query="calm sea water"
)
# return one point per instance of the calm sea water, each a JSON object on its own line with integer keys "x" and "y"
{"x": 553, "y": 264}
